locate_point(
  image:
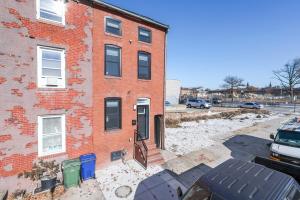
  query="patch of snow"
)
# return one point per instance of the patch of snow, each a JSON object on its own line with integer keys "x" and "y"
{"x": 130, "y": 174}
{"x": 194, "y": 135}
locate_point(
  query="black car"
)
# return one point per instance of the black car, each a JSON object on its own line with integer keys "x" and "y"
{"x": 262, "y": 179}
{"x": 236, "y": 180}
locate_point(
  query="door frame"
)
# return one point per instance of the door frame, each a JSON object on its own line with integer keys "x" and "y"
{"x": 144, "y": 101}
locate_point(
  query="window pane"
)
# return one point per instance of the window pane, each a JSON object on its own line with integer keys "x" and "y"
{"x": 143, "y": 57}
{"x": 144, "y": 66}
{"x": 112, "y": 61}
{"x": 112, "y": 52}
{"x": 51, "y": 63}
{"x": 52, "y": 125}
{"x": 113, "y": 26}
{"x": 50, "y": 16}
{"x": 144, "y": 73}
{"x": 51, "y": 9}
{"x": 112, "y": 118}
{"x": 51, "y": 72}
{"x": 51, "y": 55}
{"x": 52, "y": 143}
{"x": 144, "y": 35}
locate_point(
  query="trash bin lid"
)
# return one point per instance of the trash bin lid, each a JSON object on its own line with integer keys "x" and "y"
{"x": 87, "y": 157}
{"x": 71, "y": 163}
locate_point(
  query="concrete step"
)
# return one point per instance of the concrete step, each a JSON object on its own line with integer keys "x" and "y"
{"x": 156, "y": 161}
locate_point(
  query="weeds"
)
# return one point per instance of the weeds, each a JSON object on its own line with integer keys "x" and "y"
{"x": 175, "y": 123}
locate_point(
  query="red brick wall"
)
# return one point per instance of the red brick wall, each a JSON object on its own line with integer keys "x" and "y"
{"x": 128, "y": 87}
{"x": 21, "y": 102}
{"x": 82, "y": 101}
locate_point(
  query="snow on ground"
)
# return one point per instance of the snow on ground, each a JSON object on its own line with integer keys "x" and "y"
{"x": 129, "y": 174}
{"x": 192, "y": 136}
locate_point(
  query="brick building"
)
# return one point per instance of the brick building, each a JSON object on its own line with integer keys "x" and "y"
{"x": 78, "y": 77}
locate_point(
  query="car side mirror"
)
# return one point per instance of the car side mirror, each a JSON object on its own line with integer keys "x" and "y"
{"x": 272, "y": 136}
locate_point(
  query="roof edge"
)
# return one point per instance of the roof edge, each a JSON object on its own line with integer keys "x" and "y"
{"x": 132, "y": 14}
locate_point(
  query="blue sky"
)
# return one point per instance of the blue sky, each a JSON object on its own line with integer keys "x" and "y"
{"x": 209, "y": 39}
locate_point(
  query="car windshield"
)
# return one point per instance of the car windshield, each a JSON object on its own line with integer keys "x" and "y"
{"x": 291, "y": 138}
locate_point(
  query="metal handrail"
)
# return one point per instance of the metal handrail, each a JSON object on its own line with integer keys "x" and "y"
{"x": 145, "y": 148}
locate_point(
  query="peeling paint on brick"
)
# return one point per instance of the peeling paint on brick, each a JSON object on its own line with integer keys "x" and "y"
{"x": 19, "y": 120}
{"x": 31, "y": 144}
{"x": 4, "y": 138}
{"x": 31, "y": 86}
{"x": 2, "y": 80}
{"x": 16, "y": 92}
{"x": 24, "y": 101}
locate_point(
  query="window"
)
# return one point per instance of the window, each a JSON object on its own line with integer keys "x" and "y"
{"x": 144, "y": 65}
{"x": 145, "y": 35}
{"x": 51, "y": 135}
{"x": 51, "y": 67}
{"x": 52, "y": 10}
{"x": 112, "y": 113}
{"x": 113, "y": 26}
{"x": 112, "y": 60}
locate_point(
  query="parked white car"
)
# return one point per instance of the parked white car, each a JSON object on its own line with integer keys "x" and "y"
{"x": 197, "y": 103}
{"x": 251, "y": 105}
{"x": 286, "y": 145}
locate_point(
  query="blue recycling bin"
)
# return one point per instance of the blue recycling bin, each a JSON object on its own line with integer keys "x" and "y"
{"x": 88, "y": 165}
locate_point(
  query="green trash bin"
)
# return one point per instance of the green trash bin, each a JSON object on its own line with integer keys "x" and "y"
{"x": 71, "y": 172}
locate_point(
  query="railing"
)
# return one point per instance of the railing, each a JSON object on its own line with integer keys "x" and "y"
{"x": 140, "y": 147}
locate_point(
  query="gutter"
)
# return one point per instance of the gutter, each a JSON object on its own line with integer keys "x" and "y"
{"x": 132, "y": 14}
{"x": 164, "y": 97}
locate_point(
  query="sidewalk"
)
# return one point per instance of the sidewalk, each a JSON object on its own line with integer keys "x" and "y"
{"x": 119, "y": 174}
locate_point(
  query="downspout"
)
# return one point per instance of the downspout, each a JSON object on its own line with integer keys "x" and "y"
{"x": 164, "y": 89}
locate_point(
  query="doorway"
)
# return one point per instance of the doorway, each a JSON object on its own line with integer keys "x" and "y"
{"x": 158, "y": 125}
{"x": 142, "y": 122}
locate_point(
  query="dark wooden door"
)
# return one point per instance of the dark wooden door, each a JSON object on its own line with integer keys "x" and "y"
{"x": 158, "y": 130}
{"x": 142, "y": 122}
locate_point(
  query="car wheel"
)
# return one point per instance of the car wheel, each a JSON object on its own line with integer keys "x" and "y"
{"x": 202, "y": 107}
{"x": 189, "y": 106}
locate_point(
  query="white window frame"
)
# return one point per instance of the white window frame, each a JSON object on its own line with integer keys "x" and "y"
{"x": 40, "y": 134}
{"x": 38, "y": 16}
{"x": 62, "y": 79}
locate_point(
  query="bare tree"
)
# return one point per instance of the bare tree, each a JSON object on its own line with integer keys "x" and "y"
{"x": 289, "y": 76}
{"x": 232, "y": 82}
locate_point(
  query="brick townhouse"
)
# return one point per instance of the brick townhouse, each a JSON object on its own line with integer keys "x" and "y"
{"x": 78, "y": 77}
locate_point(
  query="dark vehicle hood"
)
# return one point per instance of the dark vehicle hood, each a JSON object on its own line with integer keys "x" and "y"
{"x": 236, "y": 179}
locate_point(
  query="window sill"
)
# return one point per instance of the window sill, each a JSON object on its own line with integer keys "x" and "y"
{"x": 112, "y": 77}
{"x": 51, "y": 89}
{"x": 54, "y": 23}
{"x": 51, "y": 155}
{"x": 146, "y": 80}
{"x": 113, "y": 35}
{"x": 145, "y": 43}
{"x": 113, "y": 131}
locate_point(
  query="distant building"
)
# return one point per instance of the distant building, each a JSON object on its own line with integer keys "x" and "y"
{"x": 173, "y": 91}
{"x": 192, "y": 93}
